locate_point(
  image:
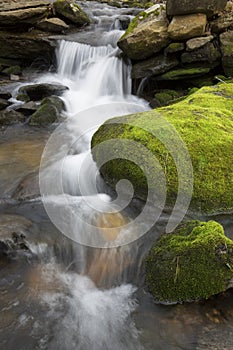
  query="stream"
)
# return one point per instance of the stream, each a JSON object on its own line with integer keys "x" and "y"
{"x": 79, "y": 284}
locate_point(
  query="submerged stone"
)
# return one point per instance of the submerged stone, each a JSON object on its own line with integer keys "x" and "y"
{"x": 194, "y": 262}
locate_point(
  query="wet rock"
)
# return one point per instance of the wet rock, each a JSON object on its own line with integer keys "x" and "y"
{"x": 174, "y": 47}
{"x": 4, "y": 103}
{"x": 26, "y": 47}
{"x": 55, "y": 25}
{"x": 207, "y": 53}
{"x": 153, "y": 66}
{"x": 147, "y": 34}
{"x": 28, "y": 188}
{"x": 184, "y": 7}
{"x": 70, "y": 12}
{"x": 197, "y": 43}
{"x": 27, "y": 108}
{"x": 6, "y": 5}
{"x": 48, "y": 112}
{"x": 5, "y": 95}
{"x": 11, "y": 117}
{"x": 193, "y": 262}
{"x": 187, "y": 26}
{"x": 226, "y": 42}
{"x": 124, "y": 22}
{"x": 216, "y": 337}
{"x": 36, "y": 92}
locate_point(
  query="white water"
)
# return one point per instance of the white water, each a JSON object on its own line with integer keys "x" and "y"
{"x": 99, "y": 88}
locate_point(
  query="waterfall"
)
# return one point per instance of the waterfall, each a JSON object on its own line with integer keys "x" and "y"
{"x": 99, "y": 88}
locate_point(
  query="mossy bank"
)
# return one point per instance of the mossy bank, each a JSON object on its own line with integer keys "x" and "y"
{"x": 204, "y": 121}
{"x": 192, "y": 263}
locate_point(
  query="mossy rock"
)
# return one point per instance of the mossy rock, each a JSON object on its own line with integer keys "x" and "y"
{"x": 194, "y": 262}
{"x": 48, "y": 112}
{"x": 164, "y": 98}
{"x": 12, "y": 70}
{"x": 204, "y": 121}
{"x": 70, "y": 12}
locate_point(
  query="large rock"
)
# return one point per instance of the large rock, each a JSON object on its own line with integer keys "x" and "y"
{"x": 187, "y": 26}
{"x": 193, "y": 262}
{"x": 71, "y": 12}
{"x": 208, "y": 53}
{"x": 184, "y": 7}
{"x": 36, "y": 92}
{"x": 22, "y": 18}
{"x": 153, "y": 66}
{"x": 146, "y": 34}
{"x": 226, "y": 41}
{"x": 26, "y": 47}
{"x": 204, "y": 121}
{"x": 6, "y": 5}
{"x": 55, "y": 25}
{"x": 222, "y": 23}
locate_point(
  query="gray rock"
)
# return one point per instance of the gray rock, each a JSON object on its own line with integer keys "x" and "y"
{"x": 208, "y": 53}
{"x": 226, "y": 42}
{"x": 153, "y": 66}
{"x": 196, "y": 43}
{"x": 37, "y": 92}
{"x": 223, "y": 23}
{"x": 55, "y": 25}
{"x": 147, "y": 34}
{"x": 187, "y": 26}
{"x": 5, "y": 95}
{"x": 184, "y": 7}
{"x": 27, "y": 108}
{"x": 4, "y": 103}
{"x": 11, "y": 117}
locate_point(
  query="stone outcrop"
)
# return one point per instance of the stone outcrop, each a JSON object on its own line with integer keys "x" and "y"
{"x": 184, "y": 7}
{"x": 55, "y": 25}
{"x": 192, "y": 46}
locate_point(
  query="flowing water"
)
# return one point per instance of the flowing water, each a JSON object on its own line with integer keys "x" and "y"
{"x": 79, "y": 285}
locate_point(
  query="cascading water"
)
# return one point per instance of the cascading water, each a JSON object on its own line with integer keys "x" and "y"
{"x": 99, "y": 88}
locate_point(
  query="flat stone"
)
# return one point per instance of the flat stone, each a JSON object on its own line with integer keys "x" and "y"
{"x": 22, "y": 17}
{"x": 27, "y": 108}
{"x": 10, "y": 5}
{"x": 184, "y": 73}
{"x": 153, "y": 66}
{"x": 184, "y": 7}
{"x": 147, "y": 34}
{"x": 196, "y": 43}
{"x": 55, "y": 25}
{"x": 226, "y": 44}
{"x": 207, "y": 53}
{"x": 187, "y": 26}
{"x": 174, "y": 47}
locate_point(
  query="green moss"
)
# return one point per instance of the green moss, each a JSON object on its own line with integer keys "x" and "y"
{"x": 194, "y": 262}
{"x": 71, "y": 11}
{"x": 204, "y": 121}
{"x": 174, "y": 47}
{"x": 184, "y": 73}
{"x": 12, "y": 70}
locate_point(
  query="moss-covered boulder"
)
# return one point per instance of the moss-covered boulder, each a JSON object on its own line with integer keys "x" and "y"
{"x": 204, "y": 121}
{"x": 146, "y": 34}
{"x": 36, "y": 92}
{"x": 192, "y": 263}
{"x": 70, "y": 12}
{"x": 48, "y": 112}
